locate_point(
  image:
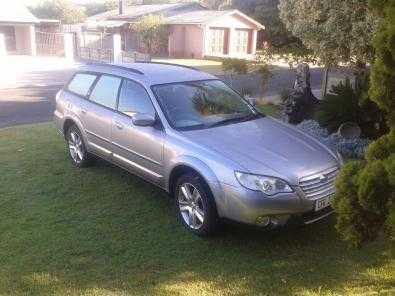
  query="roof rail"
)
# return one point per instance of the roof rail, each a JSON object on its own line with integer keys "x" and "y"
{"x": 169, "y": 64}
{"x": 128, "y": 69}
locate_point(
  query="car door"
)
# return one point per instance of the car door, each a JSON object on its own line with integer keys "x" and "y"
{"x": 138, "y": 148}
{"x": 98, "y": 113}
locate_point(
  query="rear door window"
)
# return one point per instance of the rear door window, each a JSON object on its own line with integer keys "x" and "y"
{"x": 81, "y": 83}
{"x": 106, "y": 91}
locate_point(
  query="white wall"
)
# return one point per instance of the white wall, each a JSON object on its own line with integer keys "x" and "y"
{"x": 186, "y": 41}
{"x": 25, "y": 39}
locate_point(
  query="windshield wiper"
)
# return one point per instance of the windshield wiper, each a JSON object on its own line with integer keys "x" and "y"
{"x": 235, "y": 119}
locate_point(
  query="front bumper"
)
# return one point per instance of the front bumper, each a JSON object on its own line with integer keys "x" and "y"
{"x": 252, "y": 207}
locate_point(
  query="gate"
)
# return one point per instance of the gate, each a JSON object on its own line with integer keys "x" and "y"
{"x": 50, "y": 43}
{"x": 134, "y": 56}
{"x": 95, "y": 46}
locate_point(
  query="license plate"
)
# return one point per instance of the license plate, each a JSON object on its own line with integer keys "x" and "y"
{"x": 323, "y": 203}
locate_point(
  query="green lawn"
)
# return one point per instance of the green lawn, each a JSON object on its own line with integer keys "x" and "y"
{"x": 101, "y": 231}
{"x": 209, "y": 66}
{"x": 270, "y": 109}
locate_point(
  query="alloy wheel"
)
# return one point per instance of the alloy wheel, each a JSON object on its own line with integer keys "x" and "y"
{"x": 191, "y": 205}
{"x": 76, "y": 147}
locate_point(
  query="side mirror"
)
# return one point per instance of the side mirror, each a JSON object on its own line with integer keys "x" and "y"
{"x": 143, "y": 119}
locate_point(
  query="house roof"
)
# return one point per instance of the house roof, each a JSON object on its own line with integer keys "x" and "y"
{"x": 181, "y": 13}
{"x": 133, "y": 12}
{"x": 15, "y": 12}
{"x": 206, "y": 16}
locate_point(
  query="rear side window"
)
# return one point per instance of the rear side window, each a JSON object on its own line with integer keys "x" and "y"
{"x": 81, "y": 83}
{"x": 133, "y": 99}
{"x": 106, "y": 91}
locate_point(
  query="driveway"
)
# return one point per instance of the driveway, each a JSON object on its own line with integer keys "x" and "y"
{"x": 28, "y": 86}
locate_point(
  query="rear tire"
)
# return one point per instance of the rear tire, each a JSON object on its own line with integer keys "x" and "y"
{"x": 78, "y": 153}
{"x": 196, "y": 205}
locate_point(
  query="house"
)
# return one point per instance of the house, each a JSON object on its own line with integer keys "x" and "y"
{"x": 194, "y": 30}
{"x": 18, "y": 26}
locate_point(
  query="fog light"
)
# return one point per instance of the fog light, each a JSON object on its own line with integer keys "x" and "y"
{"x": 263, "y": 220}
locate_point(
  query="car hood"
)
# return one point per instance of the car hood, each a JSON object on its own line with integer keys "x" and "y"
{"x": 267, "y": 146}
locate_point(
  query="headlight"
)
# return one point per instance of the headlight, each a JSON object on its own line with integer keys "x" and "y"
{"x": 268, "y": 185}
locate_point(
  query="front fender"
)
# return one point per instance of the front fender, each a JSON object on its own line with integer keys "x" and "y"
{"x": 206, "y": 172}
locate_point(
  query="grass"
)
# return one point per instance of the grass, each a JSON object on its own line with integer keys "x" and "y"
{"x": 269, "y": 109}
{"x": 102, "y": 231}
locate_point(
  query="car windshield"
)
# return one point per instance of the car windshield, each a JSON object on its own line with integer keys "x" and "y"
{"x": 202, "y": 104}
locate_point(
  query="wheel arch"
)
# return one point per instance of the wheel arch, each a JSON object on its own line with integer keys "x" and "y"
{"x": 201, "y": 169}
{"x": 70, "y": 121}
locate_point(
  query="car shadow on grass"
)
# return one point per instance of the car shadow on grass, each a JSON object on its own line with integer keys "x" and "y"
{"x": 103, "y": 231}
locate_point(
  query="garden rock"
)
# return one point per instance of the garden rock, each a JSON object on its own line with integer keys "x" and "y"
{"x": 348, "y": 147}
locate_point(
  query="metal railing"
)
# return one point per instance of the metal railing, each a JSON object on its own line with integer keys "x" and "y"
{"x": 50, "y": 43}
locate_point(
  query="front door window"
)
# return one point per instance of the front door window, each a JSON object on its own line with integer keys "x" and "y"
{"x": 217, "y": 38}
{"x": 242, "y": 41}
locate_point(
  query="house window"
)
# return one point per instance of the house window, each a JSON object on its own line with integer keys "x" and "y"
{"x": 242, "y": 39}
{"x": 217, "y": 40}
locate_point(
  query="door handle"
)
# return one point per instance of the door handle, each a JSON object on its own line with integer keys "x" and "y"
{"x": 83, "y": 111}
{"x": 118, "y": 125}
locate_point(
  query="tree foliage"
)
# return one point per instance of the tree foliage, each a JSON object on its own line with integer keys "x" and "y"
{"x": 382, "y": 79}
{"x": 152, "y": 32}
{"x": 336, "y": 31}
{"x": 63, "y": 10}
{"x": 276, "y": 34}
{"x": 94, "y": 8}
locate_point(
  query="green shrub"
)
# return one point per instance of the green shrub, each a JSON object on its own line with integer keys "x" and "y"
{"x": 344, "y": 104}
{"x": 366, "y": 193}
{"x": 374, "y": 189}
{"x": 391, "y": 226}
{"x": 365, "y": 196}
{"x": 382, "y": 78}
{"x": 351, "y": 221}
{"x": 382, "y": 148}
{"x": 237, "y": 66}
{"x": 152, "y": 33}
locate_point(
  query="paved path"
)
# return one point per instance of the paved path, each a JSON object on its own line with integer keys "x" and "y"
{"x": 28, "y": 86}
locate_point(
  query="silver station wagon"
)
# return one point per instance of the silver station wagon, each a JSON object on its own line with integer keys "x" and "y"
{"x": 193, "y": 136}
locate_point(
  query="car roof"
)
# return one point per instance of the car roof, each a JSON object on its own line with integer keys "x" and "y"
{"x": 150, "y": 73}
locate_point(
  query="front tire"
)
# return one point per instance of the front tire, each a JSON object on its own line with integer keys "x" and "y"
{"x": 196, "y": 206}
{"x": 77, "y": 149}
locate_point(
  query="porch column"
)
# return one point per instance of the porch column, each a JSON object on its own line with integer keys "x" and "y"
{"x": 69, "y": 46}
{"x": 254, "y": 41}
{"x": 3, "y": 50}
{"x": 117, "y": 48}
{"x": 232, "y": 34}
{"x": 206, "y": 42}
{"x": 33, "y": 46}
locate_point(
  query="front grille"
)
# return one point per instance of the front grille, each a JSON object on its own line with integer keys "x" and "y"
{"x": 320, "y": 184}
